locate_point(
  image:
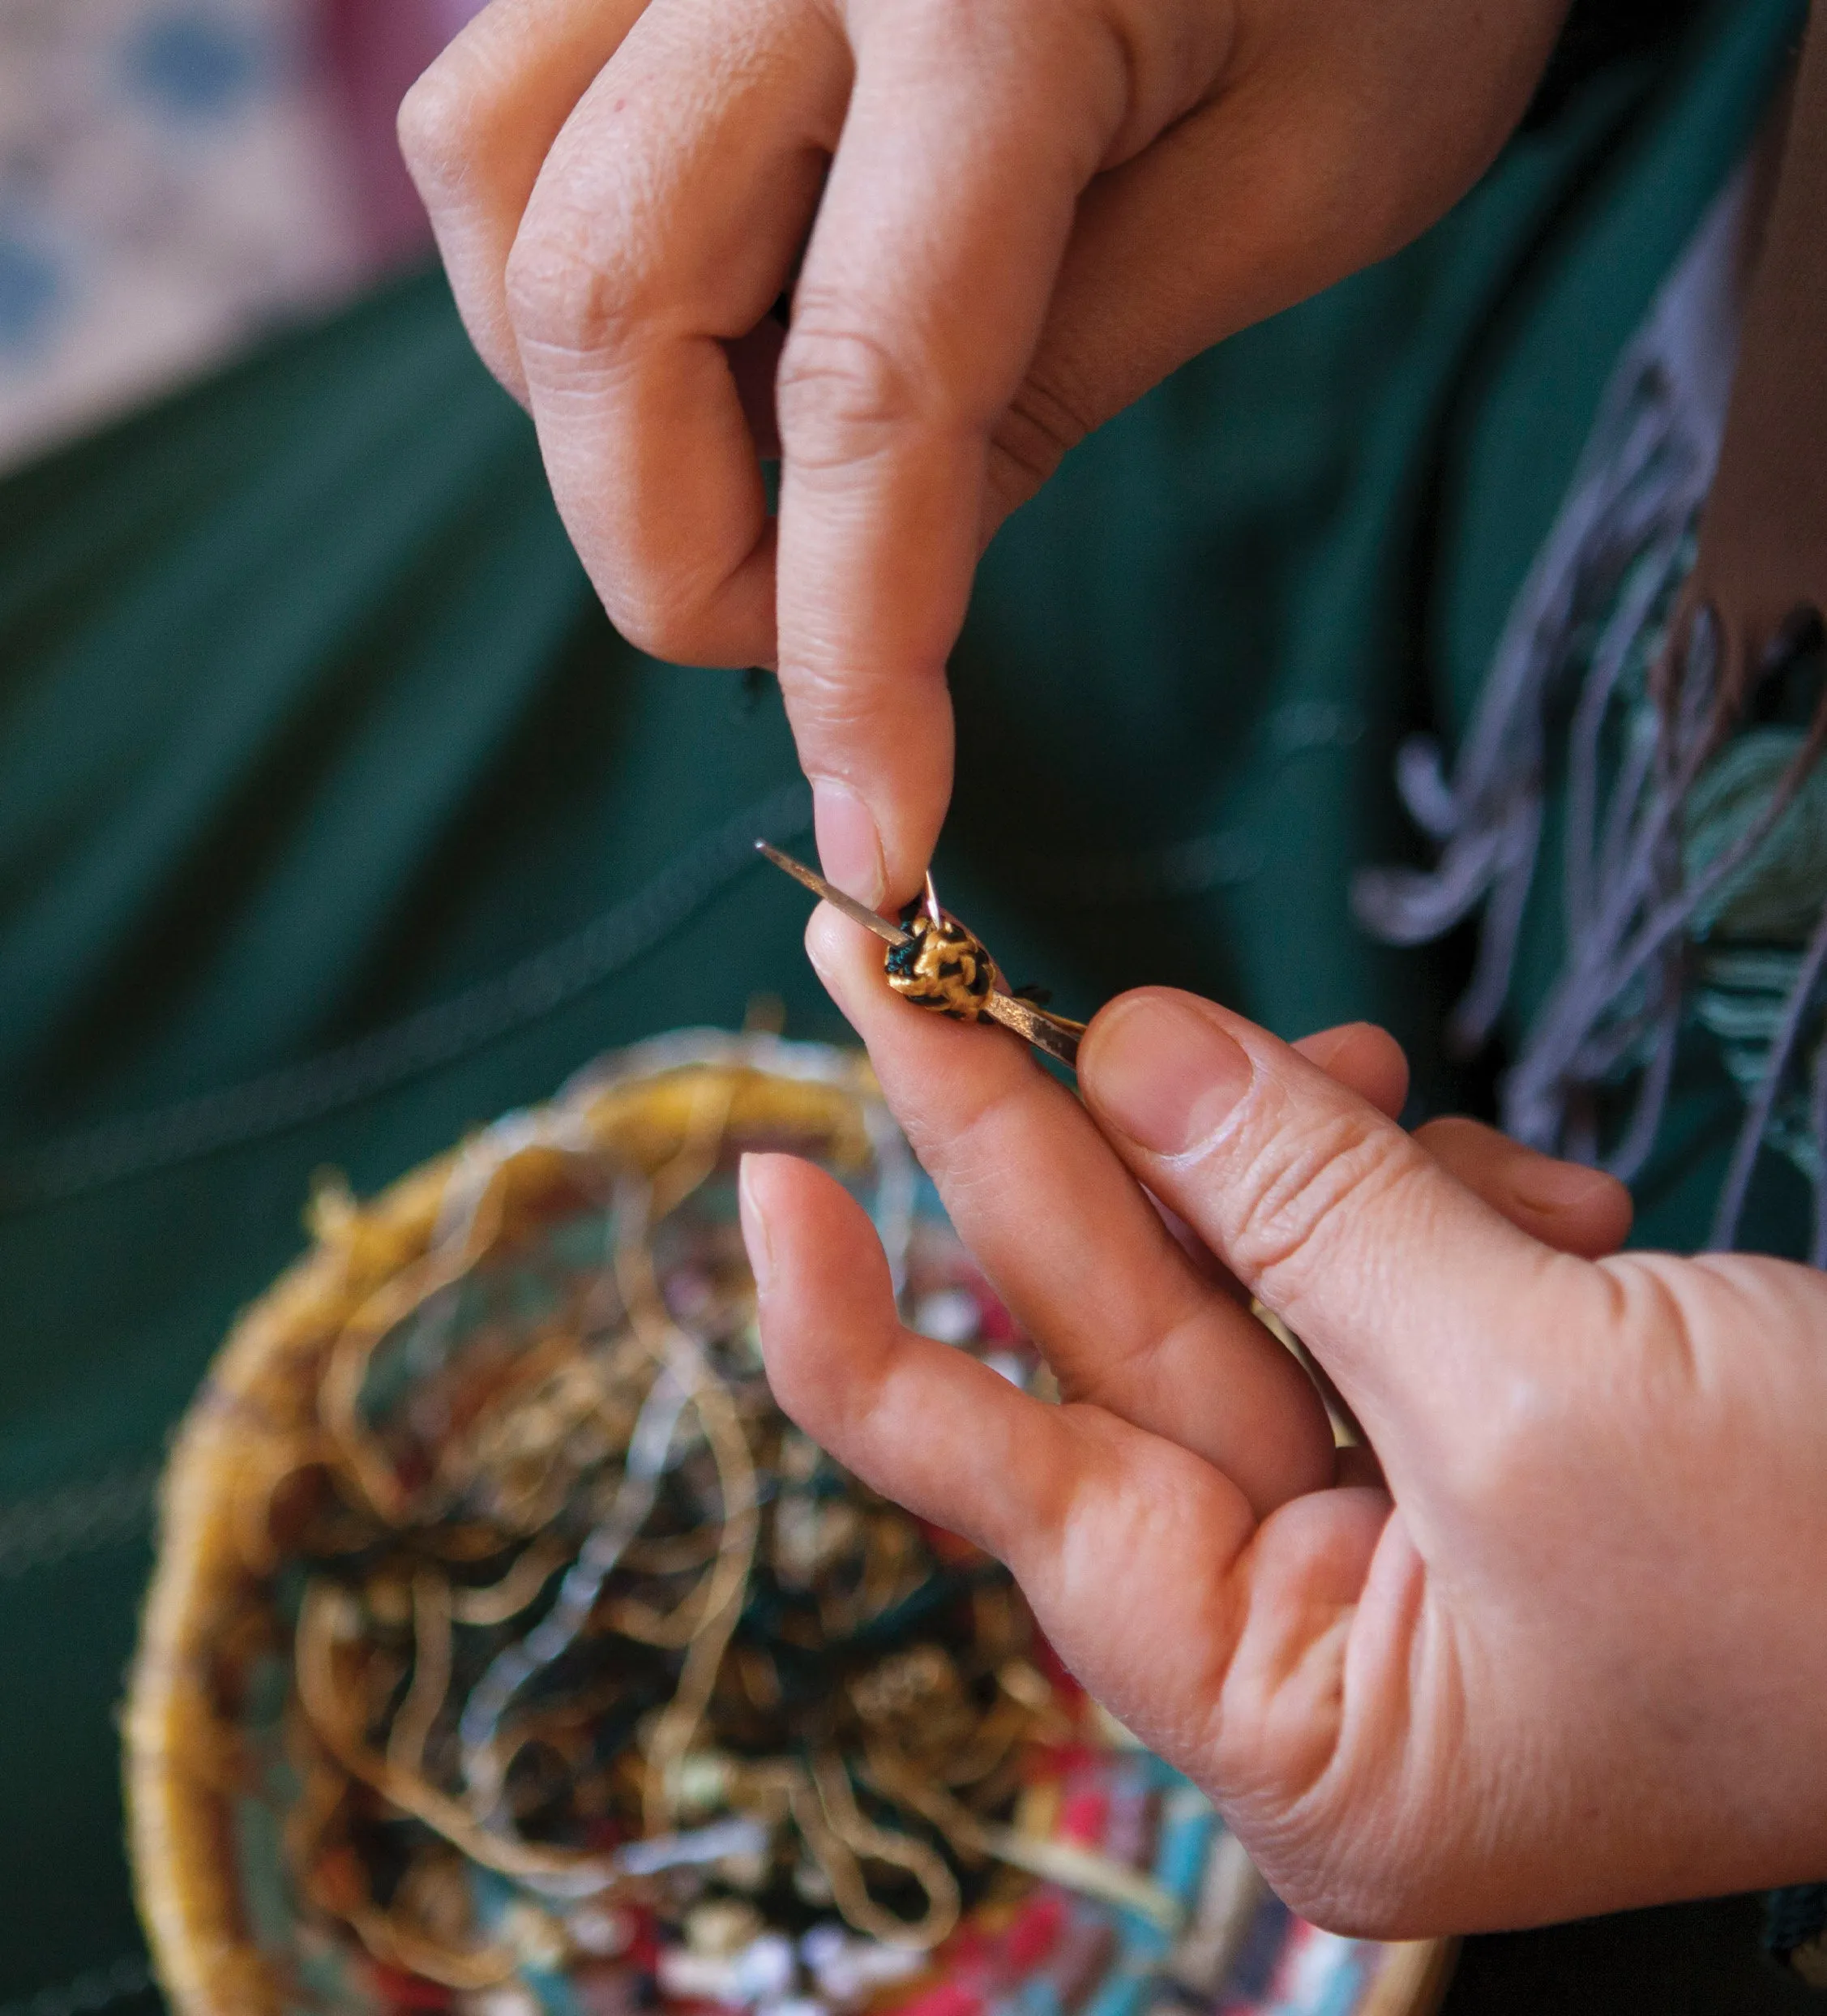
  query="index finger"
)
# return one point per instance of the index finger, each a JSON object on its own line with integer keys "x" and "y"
{"x": 969, "y": 139}
{"x": 1217, "y": 1640}
{"x": 1076, "y": 1251}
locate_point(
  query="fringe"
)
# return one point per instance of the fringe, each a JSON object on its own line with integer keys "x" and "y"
{"x": 1693, "y": 867}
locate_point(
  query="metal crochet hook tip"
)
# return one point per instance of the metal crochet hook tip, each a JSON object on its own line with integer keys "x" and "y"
{"x": 1055, "y": 1034}
{"x": 858, "y": 913}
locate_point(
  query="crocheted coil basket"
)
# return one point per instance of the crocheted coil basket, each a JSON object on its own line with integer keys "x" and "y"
{"x": 509, "y": 1653}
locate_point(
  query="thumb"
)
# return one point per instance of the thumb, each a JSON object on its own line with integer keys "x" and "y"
{"x": 1419, "y": 1298}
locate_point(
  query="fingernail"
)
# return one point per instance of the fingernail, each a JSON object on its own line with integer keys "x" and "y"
{"x": 815, "y": 945}
{"x": 1553, "y": 1186}
{"x": 755, "y": 1228}
{"x": 850, "y": 846}
{"x": 1163, "y": 1073}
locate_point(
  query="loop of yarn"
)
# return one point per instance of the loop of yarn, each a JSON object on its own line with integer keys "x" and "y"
{"x": 943, "y": 966}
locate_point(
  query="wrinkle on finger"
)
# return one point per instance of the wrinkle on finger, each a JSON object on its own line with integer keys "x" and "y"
{"x": 1417, "y": 1298}
{"x": 1035, "y": 432}
{"x": 969, "y": 134}
{"x": 1124, "y": 1544}
{"x": 669, "y": 213}
{"x": 922, "y": 1422}
{"x": 476, "y": 128}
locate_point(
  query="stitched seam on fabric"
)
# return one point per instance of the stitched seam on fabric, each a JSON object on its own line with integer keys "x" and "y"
{"x": 1196, "y": 867}
{"x": 535, "y": 987}
{"x": 103, "y": 1511}
{"x": 100, "y": 1988}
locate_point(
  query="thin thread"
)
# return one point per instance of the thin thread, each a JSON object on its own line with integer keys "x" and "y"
{"x": 1640, "y": 482}
{"x": 104, "y": 1512}
{"x": 527, "y": 992}
{"x": 1817, "y": 1250}
{"x": 1609, "y": 662}
{"x": 100, "y": 1988}
{"x": 650, "y": 1450}
{"x": 1626, "y": 1161}
{"x": 1757, "y": 1114}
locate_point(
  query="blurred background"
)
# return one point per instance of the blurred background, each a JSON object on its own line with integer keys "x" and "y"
{"x": 176, "y": 176}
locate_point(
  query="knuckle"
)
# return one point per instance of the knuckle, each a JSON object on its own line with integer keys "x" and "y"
{"x": 665, "y": 618}
{"x": 961, "y": 1140}
{"x": 560, "y": 300}
{"x": 843, "y": 394}
{"x": 444, "y": 122}
{"x": 888, "y": 702}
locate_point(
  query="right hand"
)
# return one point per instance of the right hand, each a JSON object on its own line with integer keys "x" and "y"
{"x": 1557, "y": 1649}
{"x": 1001, "y": 221}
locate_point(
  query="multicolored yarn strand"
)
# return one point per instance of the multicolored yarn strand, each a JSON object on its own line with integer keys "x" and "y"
{"x": 1693, "y": 882}
{"x": 510, "y": 1654}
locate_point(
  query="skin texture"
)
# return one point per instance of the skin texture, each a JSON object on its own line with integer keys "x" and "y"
{"x": 1554, "y": 1649}
{"x": 1552, "y": 1644}
{"x": 1000, "y": 221}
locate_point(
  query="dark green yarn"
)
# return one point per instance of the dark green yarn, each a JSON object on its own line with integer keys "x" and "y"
{"x": 1795, "y": 1920}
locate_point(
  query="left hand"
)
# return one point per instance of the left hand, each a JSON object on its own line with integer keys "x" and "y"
{"x": 1557, "y": 1648}
{"x": 1000, "y": 221}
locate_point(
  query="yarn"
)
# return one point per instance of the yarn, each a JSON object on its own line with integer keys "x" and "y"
{"x": 1693, "y": 870}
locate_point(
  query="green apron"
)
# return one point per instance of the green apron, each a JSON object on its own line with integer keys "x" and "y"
{"x": 334, "y": 820}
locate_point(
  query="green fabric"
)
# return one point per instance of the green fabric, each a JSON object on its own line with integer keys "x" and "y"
{"x": 1557, "y": 338}
{"x": 334, "y": 819}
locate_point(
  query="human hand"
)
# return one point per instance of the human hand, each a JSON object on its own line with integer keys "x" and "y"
{"x": 1015, "y": 215}
{"x": 1562, "y": 1653}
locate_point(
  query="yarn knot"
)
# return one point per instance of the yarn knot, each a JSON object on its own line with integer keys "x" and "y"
{"x": 942, "y": 966}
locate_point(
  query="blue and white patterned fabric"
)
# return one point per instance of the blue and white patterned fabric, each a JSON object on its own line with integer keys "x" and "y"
{"x": 171, "y": 179}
